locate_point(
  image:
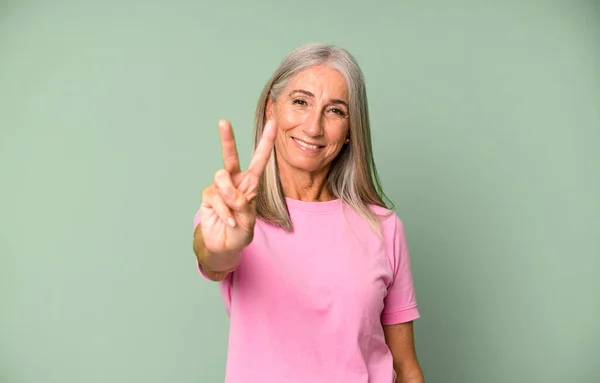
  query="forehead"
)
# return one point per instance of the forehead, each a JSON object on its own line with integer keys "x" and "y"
{"x": 321, "y": 78}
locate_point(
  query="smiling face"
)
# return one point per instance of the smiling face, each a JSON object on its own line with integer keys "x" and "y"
{"x": 312, "y": 119}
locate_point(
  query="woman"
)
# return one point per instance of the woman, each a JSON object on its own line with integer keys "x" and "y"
{"x": 314, "y": 269}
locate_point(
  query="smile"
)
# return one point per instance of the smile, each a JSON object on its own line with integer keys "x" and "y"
{"x": 306, "y": 146}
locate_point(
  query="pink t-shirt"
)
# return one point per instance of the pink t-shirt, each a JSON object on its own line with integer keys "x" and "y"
{"x": 308, "y": 306}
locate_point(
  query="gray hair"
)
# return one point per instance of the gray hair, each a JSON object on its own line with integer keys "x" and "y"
{"x": 353, "y": 177}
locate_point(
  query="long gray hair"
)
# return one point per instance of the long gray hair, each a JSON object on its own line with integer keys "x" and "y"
{"x": 352, "y": 177}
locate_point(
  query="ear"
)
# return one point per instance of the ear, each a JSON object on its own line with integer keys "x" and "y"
{"x": 270, "y": 111}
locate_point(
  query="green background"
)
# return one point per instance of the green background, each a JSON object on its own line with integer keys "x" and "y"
{"x": 486, "y": 128}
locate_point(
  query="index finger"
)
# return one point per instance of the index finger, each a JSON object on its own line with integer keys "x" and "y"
{"x": 263, "y": 150}
{"x": 230, "y": 155}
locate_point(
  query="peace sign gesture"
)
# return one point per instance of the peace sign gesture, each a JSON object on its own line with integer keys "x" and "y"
{"x": 228, "y": 209}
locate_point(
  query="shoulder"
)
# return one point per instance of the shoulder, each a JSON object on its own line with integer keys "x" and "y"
{"x": 392, "y": 234}
{"x": 390, "y": 220}
{"x": 389, "y": 226}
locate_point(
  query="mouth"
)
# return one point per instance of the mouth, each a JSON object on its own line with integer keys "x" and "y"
{"x": 307, "y": 145}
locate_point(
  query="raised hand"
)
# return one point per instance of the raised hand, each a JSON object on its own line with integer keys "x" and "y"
{"x": 228, "y": 209}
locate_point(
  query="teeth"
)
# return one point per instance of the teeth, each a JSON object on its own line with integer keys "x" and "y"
{"x": 305, "y": 145}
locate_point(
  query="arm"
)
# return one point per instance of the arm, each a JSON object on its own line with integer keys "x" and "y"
{"x": 400, "y": 340}
{"x": 209, "y": 261}
{"x": 224, "y": 224}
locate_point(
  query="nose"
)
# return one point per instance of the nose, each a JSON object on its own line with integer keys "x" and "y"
{"x": 313, "y": 125}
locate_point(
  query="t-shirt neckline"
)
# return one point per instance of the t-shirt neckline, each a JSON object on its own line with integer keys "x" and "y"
{"x": 313, "y": 206}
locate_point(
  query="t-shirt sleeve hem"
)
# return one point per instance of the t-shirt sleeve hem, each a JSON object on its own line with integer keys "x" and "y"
{"x": 400, "y": 316}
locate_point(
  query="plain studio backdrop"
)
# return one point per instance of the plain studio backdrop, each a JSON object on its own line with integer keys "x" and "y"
{"x": 486, "y": 129}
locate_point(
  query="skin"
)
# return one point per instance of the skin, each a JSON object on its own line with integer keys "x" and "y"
{"x": 401, "y": 342}
{"x": 313, "y": 108}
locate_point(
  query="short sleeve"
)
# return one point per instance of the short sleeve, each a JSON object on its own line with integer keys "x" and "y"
{"x": 400, "y": 303}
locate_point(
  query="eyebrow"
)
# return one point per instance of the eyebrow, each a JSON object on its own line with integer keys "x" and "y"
{"x": 309, "y": 94}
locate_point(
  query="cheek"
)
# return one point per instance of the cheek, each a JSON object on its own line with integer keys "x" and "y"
{"x": 287, "y": 117}
{"x": 283, "y": 134}
{"x": 336, "y": 148}
{"x": 337, "y": 140}
{"x": 338, "y": 132}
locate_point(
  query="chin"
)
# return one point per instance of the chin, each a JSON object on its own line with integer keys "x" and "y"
{"x": 306, "y": 166}
{"x": 301, "y": 161}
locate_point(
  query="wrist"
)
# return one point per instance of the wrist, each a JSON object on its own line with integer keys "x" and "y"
{"x": 222, "y": 262}
{"x": 416, "y": 377}
{"x": 409, "y": 373}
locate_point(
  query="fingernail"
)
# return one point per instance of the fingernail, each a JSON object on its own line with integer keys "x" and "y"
{"x": 231, "y": 222}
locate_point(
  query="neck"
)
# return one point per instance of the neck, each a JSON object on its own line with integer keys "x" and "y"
{"x": 304, "y": 186}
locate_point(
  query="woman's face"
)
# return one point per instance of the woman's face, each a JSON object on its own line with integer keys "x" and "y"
{"x": 312, "y": 117}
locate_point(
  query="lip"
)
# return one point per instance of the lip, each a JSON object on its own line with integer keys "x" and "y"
{"x": 305, "y": 149}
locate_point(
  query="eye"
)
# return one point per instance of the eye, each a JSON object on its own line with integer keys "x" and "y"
{"x": 339, "y": 112}
{"x": 300, "y": 102}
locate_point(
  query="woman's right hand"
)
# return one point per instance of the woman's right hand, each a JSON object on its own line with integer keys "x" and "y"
{"x": 228, "y": 208}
